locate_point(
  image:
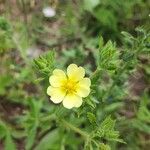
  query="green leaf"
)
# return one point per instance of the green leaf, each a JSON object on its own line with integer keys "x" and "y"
{"x": 45, "y": 63}
{"x": 108, "y": 56}
{"x": 103, "y": 146}
{"x": 91, "y": 117}
{"x": 128, "y": 38}
{"x": 127, "y": 35}
{"x": 143, "y": 112}
{"x": 6, "y": 133}
{"x": 32, "y": 122}
{"x": 4, "y": 24}
{"x": 106, "y": 130}
{"x": 101, "y": 42}
{"x": 95, "y": 77}
{"x": 90, "y": 102}
{"x": 5, "y": 35}
{"x": 35, "y": 107}
{"x": 31, "y": 137}
{"x": 114, "y": 106}
{"x": 140, "y": 125}
{"x": 48, "y": 140}
{"x": 9, "y": 143}
{"x": 106, "y": 17}
{"x": 143, "y": 116}
{"x": 108, "y": 124}
{"x": 5, "y": 80}
{"x": 90, "y": 4}
{"x": 2, "y": 129}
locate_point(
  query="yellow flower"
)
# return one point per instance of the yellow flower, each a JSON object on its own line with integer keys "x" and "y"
{"x": 70, "y": 88}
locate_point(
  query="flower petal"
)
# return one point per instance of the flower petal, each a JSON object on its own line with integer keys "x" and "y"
{"x": 83, "y": 87}
{"x": 85, "y": 82}
{"x": 59, "y": 72}
{"x": 58, "y": 78}
{"x": 72, "y": 100}
{"x": 83, "y": 92}
{"x": 75, "y": 73}
{"x": 57, "y": 94}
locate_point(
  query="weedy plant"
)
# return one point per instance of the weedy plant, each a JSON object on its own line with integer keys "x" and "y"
{"x": 107, "y": 105}
{"x": 109, "y": 89}
{"x": 99, "y": 122}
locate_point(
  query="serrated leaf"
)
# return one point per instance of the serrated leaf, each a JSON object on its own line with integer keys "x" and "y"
{"x": 104, "y": 146}
{"x": 108, "y": 56}
{"x": 106, "y": 130}
{"x": 108, "y": 124}
{"x": 45, "y": 63}
{"x": 90, "y": 102}
{"x": 91, "y": 117}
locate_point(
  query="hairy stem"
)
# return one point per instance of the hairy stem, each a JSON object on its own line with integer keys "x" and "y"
{"x": 75, "y": 129}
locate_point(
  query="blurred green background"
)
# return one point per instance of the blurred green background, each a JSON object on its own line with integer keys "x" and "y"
{"x": 73, "y": 29}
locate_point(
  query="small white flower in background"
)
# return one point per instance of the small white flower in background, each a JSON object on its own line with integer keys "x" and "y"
{"x": 49, "y": 12}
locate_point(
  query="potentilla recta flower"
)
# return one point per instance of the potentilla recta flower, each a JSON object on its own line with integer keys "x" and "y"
{"x": 69, "y": 88}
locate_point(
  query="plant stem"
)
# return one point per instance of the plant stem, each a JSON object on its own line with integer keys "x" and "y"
{"x": 72, "y": 127}
{"x": 49, "y": 117}
{"x": 24, "y": 12}
{"x": 19, "y": 48}
{"x": 95, "y": 76}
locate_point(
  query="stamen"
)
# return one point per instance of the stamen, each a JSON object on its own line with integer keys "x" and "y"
{"x": 70, "y": 86}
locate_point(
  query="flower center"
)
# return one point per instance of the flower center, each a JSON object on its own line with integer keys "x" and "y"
{"x": 70, "y": 86}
